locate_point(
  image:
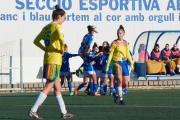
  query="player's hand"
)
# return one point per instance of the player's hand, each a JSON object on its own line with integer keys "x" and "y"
{"x": 101, "y": 53}
{"x": 62, "y": 52}
{"x": 93, "y": 62}
{"x": 106, "y": 72}
{"x": 132, "y": 69}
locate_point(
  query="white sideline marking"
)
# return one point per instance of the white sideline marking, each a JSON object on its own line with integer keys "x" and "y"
{"x": 104, "y": 106}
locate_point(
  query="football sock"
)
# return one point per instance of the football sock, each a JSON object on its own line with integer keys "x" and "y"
{"x": 70, "y": 87}
{"x": 96, "y": 88}
{"x": 91, "y": 87}
{"x": 61, "y": 104}
{"x": 105, "y": 88}
{"x": 39, "y": 100}
{"x": 120, "y": 93}
{"x": 111, "y": 90}
{"x": 80, "y": 86}
{"x": 62, "y": 83}
{"x": 88, "y": 86}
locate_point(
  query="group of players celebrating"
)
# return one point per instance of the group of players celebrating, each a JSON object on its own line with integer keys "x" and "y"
{"x": 111, "y": 62}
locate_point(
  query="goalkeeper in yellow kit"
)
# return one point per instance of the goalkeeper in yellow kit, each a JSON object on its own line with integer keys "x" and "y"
{"x": 119, "y": 54}
{"x": 53, "y": 37}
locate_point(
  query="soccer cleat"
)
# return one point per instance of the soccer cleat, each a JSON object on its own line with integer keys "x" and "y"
{"x": 97, "y": 94}
{"x": 121, "y": 102}
{"x": 92, "y": 93}
{"x": 115, "y": 98}
{"x": 67, "y": 115}
{"x": 125, "y": 91}
{"x": 34, "y": 114}
{"x": 111, "y": 94}
{"x": 87, "y": 92}
{"x": 75, "y": 91}
{"x": 104, "y": 93}
{"x": 71, "y": 94}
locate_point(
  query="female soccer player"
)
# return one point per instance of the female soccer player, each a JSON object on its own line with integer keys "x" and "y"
{"x": 176, "y": 57}
{"x": 88, "y": 70}
{"x": 155, "y": 65}
{"x": 90, "y": 84}
{"x": 88, "y": 38}
{"x": 54, "y": 46}
{"x": 167, "y": 56}
{"x": 105, "y": 76}
{"x": 119, "y": 54}
{"x": 65, "y": 70}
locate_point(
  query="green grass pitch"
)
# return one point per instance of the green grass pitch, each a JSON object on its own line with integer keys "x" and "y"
{"x": 140, "y": 105}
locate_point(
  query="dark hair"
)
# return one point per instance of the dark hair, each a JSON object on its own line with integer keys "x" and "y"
{"x": 121, "y": 28}
{"x": 56, "y": 12}
{"x": 95, "y": 45}
{"x": 65, "y": 46}
{"x": 101, "y": 49}
{"x": 167, "y": 44}
{"x": 156, "y": 45}
{"x": 106, "y": 43}
{"x": 173, "y": 47}
{"x": 106, "y": 49}
{"x": 91, "y": 28}
{"x": 85, "y": 50}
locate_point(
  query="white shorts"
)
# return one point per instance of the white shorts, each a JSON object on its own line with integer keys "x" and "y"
{"x": 98, "y": 73}
{"x": 87, "y": 73}
{"x": 107, "y": 75}
{"x": 79, "y": 51}
{"x": 65, "y": 73}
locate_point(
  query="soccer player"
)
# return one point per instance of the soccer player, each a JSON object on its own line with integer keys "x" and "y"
{"x": 53, "y": 37}
{"x": 119, "y": 54}
{"x": 176, "y": 56}
{"x": 105, "y": 76}
{"x": 65, "y": 70}
{"x": 90, "y": 84}
{"x": 88, "y": 38}
{"x": 167, "y": 56}
{"x": 88, "y": 70}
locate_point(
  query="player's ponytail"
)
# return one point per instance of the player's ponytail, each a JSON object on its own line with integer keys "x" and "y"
{"x": 95, "y": 45}
{"x": 91, "y": 28}
{"x": 121, "y": 28}
{"x": 58, "y": 11}
{"x": 85, "y": 50}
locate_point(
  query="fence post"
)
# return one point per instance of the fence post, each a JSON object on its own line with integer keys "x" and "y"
{"x": 21, "y": 64}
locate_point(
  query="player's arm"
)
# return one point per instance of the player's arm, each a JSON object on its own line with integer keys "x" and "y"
{"x": 153, "y": 57}
{"x": 61, "y": 38}
{"x": 38, "y": 39}
{"x": 129, "y": 56}
{"x": 101, "y": 60}
{"x": 72, "y": 55}
{"x": 113, "y": 46}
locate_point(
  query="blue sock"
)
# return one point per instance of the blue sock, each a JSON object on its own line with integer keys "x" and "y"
{"x": 102, "y": 87}
{"x": 91, "y": 86}
{"x": 96, "y": 88}
{"x": 88, "y": 86}
{"x": 70, "y": 87}
{"x": 62, "y": 83}
{"x": 105, "y": 89}
{"x": 115, "y": 85}
{"x": 80, "y": 86}
{"x": 111, "y": 90}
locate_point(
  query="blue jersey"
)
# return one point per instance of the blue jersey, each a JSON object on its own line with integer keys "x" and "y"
{"x": 104, "y": 58}
{"x": 92, "y": 53}
{"x": 98, "y": 65}
{"x": 65, "y": 61}
{"x": 87, "y": 40}
{"x": 87, "y": 65}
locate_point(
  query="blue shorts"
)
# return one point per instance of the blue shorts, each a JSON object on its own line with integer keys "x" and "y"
{"x": 120, "y": 68}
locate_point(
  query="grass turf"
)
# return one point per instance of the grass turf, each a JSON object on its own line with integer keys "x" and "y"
{"x": 140, "y": 105}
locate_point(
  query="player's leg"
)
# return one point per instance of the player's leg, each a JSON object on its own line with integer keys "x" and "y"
{"x": 62, "y": 79}
{"x": 40, "y": 98}
{"x": 94, "y": 77}
{"x": 119, "y": 88}
{"x": 111, "y": 80}
{"x": 104, "y": 84}
{"x": 82, "y": 84}
{"x": 60, "y": 101}
{"x": 125, "y": 84}
{"x": 69, "y": 85}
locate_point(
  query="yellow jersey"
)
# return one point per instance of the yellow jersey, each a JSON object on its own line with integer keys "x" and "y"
{"x": 54, "y": 40}
{"x": 119, "y": 49}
